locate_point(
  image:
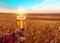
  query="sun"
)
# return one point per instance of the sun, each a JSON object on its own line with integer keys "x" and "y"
{"x": 21, "y": 11}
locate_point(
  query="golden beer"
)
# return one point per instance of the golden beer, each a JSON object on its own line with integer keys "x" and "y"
{"x": 21, "y": 22}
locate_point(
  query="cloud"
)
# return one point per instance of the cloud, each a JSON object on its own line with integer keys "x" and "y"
{"x": 48, "y": 0}
{"x": 47, "y": 6}
{"x": 4, "y": 8}
{"x": 47, "y": 3}
{"x": 2, "y": 5}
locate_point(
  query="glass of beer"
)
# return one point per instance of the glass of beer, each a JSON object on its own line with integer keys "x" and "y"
{"x": 21, "y": 22}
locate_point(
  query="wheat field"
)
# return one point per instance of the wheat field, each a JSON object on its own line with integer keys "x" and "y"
{"x": 41, "y": 28}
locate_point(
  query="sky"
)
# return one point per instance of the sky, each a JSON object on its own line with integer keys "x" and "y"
{"x": 30, "y": 6}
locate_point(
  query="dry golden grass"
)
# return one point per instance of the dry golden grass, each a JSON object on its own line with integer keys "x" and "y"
{"x": 38, "y": 30}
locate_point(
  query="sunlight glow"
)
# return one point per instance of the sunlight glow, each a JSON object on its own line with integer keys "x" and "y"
{"x": 21, "y": 11}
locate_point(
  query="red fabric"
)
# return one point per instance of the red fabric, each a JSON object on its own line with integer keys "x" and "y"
{"x": 22, "y": 29}
{"x": 8, "y": 39}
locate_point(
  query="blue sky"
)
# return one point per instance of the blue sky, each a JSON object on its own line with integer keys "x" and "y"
{"x": 15, "y": 3}
{"x": 31, "y": 5}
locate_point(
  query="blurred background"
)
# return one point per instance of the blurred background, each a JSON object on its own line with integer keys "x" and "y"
{"x": 42, "y": 19}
